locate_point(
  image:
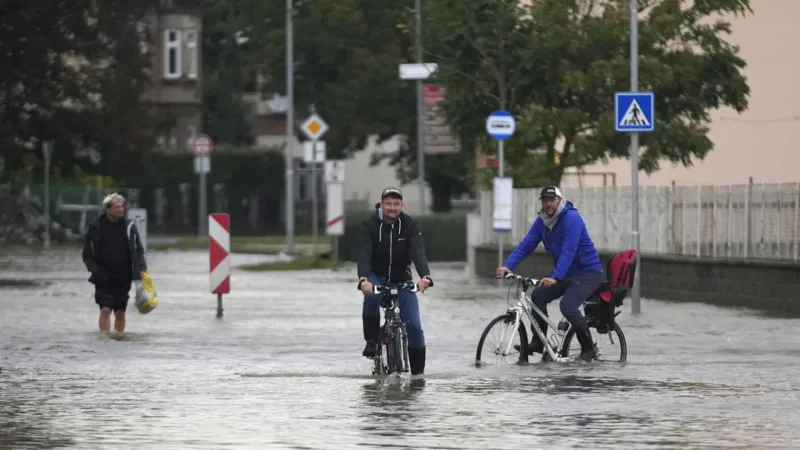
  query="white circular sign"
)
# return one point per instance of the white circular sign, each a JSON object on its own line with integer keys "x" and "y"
{"x": 500, "y": 125}
{"x": 203, "y": 145}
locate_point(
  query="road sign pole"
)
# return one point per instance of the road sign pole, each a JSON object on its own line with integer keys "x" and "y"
{"x": 501, "y": 125}
{"x": 500, "y": 172}
{"x": 420, "y": 111}
{"x": 47, "y": 149}
{"x": 202, "y": 146}
{"x": 636, "y": 306}
{"x": 288, "y": 156}
{"x": 202, "y": 205}
{"x": 314, "y": 202}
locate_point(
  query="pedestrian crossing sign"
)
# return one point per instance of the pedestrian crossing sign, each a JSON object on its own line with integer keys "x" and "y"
{"x": 634, "y": 111}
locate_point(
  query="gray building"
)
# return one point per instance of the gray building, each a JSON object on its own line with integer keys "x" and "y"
{"x": 175, "y": 28}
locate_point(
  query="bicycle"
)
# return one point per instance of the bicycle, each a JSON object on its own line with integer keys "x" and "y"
{"x": 392, "y": 354}
{"x": 599, "y": 310}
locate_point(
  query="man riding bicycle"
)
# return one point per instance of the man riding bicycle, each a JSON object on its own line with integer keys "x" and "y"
{"x": 578, "y": 271}
{"x": 389, "y": 241}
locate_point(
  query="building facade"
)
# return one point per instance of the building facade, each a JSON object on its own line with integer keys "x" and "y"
{"x": 176, "y": 30}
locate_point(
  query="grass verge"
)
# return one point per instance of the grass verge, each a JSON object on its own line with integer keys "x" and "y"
{"x": 303, "y": 262}
{"x": 261, "y": 245}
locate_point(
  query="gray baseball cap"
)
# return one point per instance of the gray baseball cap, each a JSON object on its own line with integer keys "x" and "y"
{"x": 391, "y": 191}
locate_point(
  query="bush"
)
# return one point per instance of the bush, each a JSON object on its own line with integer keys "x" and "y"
{"x": 445, "y": 236}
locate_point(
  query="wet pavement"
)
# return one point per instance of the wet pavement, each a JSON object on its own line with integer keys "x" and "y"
{"x": 283, "y": 370}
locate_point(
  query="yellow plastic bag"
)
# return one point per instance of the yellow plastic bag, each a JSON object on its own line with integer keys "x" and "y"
{"x": 146, "y": 300}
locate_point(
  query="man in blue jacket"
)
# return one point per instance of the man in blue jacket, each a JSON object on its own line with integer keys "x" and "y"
{"x": 577, "y": 271}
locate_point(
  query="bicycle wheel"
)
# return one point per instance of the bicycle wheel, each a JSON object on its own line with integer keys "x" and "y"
{"x": 611, "y": 346}
{"x": 399, "y": 354}
{"x": 407, "y": 364}
{"x": 498, "y": 333}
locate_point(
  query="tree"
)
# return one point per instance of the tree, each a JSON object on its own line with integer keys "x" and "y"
{"x": 575, "y": 56}
{"x": 346, "y": 54}
{"x": 478, "y": 46}
{"x": 226, "y": 71}
{"x": 72, "y": 72}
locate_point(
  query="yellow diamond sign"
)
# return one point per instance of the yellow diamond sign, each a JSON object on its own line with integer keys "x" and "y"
{"x": 314, "y": 127}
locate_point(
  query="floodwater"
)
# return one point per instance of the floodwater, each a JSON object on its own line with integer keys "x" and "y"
{"x": 283, "y": 370}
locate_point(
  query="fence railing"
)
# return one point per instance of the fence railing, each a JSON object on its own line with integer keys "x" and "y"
{"x": 729, "y": 221}
{"x": 173, "y": 210}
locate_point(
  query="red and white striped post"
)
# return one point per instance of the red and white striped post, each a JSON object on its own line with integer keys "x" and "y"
{"x": 219, "y": 248}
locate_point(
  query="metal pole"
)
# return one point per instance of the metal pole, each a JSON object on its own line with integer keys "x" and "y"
{"x": 501, "y": 236}
{"x": 636, "y": 303}
{"x": 335, "y": 249}
{"x": 202, "y": 216}
{"x": 47, "y": 195}
{"x": 420, "y": 112}
{"x": 314, "y": 213}
{"x": 219, "y": 305}
{"x": 288, "y": 156}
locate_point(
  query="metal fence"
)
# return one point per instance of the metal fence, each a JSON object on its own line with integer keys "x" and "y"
{"x": 730, "y": 221}
{"x": 174, "y": 210}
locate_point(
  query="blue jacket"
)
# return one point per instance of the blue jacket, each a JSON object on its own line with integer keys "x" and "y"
{"x": 568, "y": 242}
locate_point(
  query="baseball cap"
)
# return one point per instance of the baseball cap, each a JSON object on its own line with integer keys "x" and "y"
{"x": 393, "y": 191}
{"x": 550, "y": 191}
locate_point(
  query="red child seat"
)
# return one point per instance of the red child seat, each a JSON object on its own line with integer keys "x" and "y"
{"x": 621, "y": 268}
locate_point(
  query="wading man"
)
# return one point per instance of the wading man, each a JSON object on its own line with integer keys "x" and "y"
{"x": 113, "y": 253}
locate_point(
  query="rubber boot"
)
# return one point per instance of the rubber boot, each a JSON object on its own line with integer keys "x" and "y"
{"x": 584, "y": 336}
{"x": 416, "y": 359}
{"x": 372, "y": 331}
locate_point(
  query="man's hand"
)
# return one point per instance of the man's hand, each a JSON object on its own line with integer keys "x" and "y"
{"x": 423, "y": 283}
{"x": 501, "y": 271}
{"x": 366, "y": 286}
{"x": 547, "y": 281}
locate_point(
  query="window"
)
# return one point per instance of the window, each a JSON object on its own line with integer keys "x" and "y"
{"x": 191, "y": 47}
{"x": 172, "y": 54}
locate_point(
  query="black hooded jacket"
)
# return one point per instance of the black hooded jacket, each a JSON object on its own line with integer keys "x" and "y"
{"x": 92, "y": 245}
{"x": 388, "y": 249}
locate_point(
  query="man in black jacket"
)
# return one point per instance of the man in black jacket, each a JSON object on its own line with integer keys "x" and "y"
{"x": 389, "y": 242}
{"x": 113, "y": 253}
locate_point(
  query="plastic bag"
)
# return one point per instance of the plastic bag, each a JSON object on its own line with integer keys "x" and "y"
{"x": 146, "y": 299}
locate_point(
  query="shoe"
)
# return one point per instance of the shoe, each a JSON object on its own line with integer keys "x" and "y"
{"x": 370, "y": 350}
{"x": 535, "y": 346}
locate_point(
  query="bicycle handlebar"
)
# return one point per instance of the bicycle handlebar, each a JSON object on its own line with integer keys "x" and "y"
{"x": 513, "y": 276}
{"x": 394, "y": 289}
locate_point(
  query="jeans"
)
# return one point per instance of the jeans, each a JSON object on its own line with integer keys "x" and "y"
{"x": 575, "y": 291}
{"x": 409, "y": 312}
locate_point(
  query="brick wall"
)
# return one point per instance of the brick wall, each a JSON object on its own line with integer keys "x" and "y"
{"x": 772, "y": 286}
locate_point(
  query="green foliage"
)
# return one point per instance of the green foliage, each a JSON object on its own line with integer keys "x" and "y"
{"x": 556, "y": 64}
{"x": 226, "y": 73}
{"x": 445, "y": 236}
{"x": 72, "y": 72}
{"x": 346, "y": 54}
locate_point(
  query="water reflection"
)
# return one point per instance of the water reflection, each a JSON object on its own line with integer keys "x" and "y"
{"x": 24, "y": 423}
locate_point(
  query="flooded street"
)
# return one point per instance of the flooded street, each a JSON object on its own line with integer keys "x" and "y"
{"x": 283, "y": 370}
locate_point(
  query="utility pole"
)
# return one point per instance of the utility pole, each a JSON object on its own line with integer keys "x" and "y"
{"x": 636, "y": 301}
{"x": 289, "y": 156}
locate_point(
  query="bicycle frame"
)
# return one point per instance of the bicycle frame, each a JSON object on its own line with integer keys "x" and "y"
{"x": 525, "y": 306}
